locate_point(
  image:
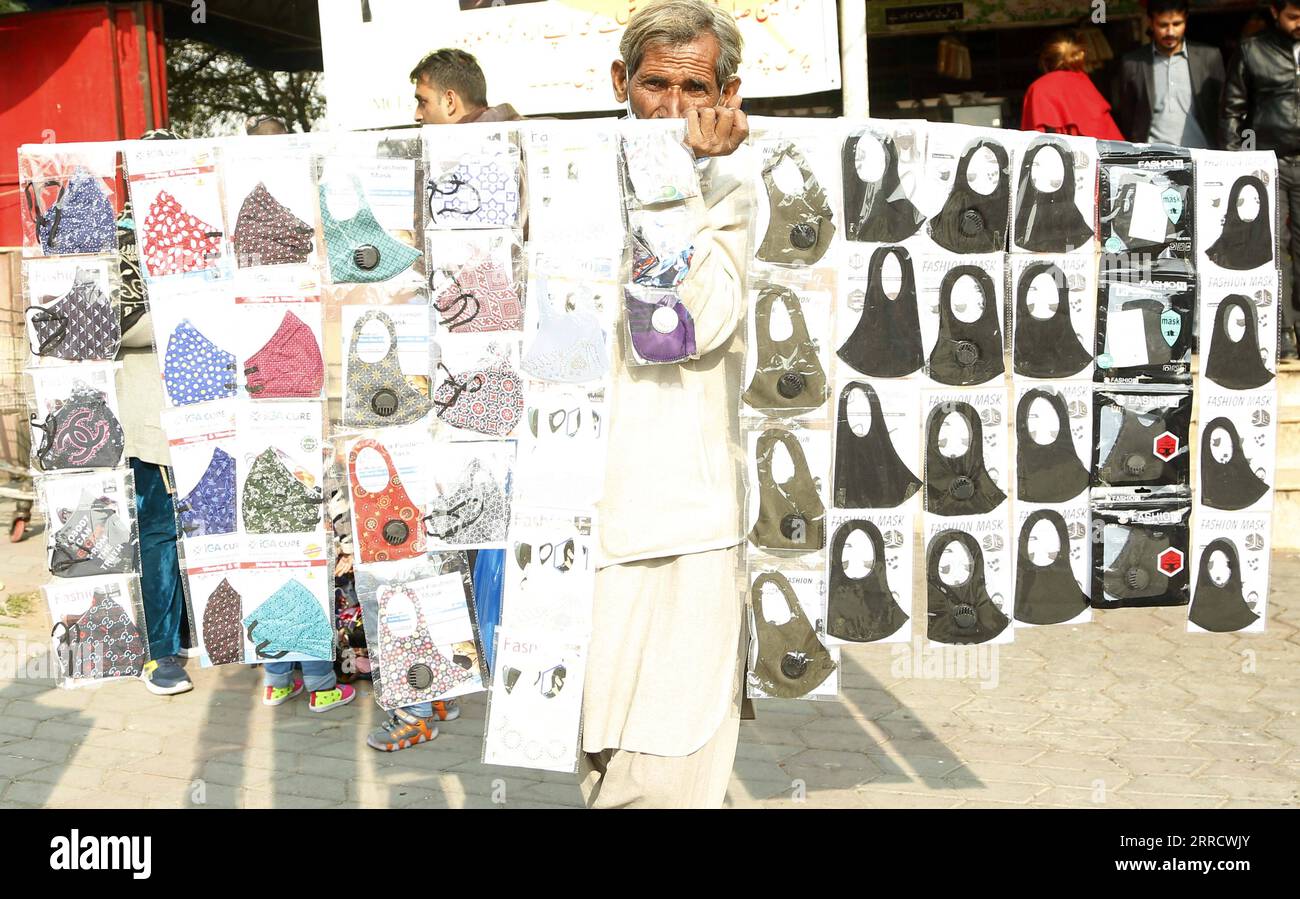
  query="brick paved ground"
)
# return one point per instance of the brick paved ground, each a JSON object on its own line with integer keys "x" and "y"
{"x": 1127, "y": 712}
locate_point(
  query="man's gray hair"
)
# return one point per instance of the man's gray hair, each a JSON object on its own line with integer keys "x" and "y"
{"x": 672, "y": 23}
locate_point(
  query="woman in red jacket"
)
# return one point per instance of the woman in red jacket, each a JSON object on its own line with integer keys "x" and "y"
{"x": 1064, "y": 100}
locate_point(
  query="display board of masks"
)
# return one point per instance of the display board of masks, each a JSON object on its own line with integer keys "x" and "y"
{"x": 967, "y": 401}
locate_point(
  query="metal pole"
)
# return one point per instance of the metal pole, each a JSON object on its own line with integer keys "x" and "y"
{"x": 853, "y": 57}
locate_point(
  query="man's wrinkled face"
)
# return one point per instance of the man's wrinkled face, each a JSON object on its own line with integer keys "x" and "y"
{"x": 673, "y": 79}
{"x": 1288, "y": 20}
{"x": 431, "y": 107}
{"x": 1168, "y": 29}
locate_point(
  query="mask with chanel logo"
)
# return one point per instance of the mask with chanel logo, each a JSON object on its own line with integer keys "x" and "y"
{"x": 1047, "y": 472}
{"x": 886, "y": 342}
{"x": 1046, "y": 348}
{"x": 1046, "y": 594}
{"x": 869, "y": 474}
{"x": 861, "y": 609}
{"x": 876, "y": 211}
{"x": 958, "y": 485}
{"x": 970, "y": 221}
{"x": 661, "y": 331}
{"x": 1221, "y": 608}
{"x": 1237, "y": 365}
{"x": 1230, "y": 485}
{"x": 1049, "y": 222}
{"x": 788, "y": 376}
{"x": 791, "y": 515}
{"x": 378, "y": 394}
{"x": 81, "y": 433}
{"x": 360, "y": 250}
{"x": 792, "y": 662}
{"x": 967, "y": 353}
{"x": 960, "y": 613}
{"x": 387, "y": 521}
{"x": 800, "y": 226}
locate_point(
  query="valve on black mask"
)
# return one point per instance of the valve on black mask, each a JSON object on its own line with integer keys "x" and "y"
{"x": 1232, "y": 483}
{"x": 967, "y": 353}
{"x": 791, "y": 515}
{"x": 1049, "y": 472}
{"x": 1221, "y": 607}
{"x": 1046, "y": 594}
{"x": 1141, "y": 438}
{"x": 800, "y": 225}
{"x": 1139, "y": 553}
{"x": 960, "y": 612}
{"x": 958, "y": 484}
{"x": 974, "y": 220}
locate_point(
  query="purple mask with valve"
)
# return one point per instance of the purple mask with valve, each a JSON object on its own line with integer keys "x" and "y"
{"x": 661, "y": 331}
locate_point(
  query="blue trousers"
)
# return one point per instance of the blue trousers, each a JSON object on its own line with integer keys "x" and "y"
{"x": 160, "y": 570}
{"x": 317, "y": 674}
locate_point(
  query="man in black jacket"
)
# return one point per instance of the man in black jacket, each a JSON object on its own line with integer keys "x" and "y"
{"x": 1168, "y": 92}
{"x": 1260, "y": 111}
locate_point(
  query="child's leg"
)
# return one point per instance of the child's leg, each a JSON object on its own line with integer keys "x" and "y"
{"x": 326, "y": 691}
{"x": 278, "y": 674}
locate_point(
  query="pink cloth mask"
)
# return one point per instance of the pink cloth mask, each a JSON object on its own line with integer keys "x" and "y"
{"x": 288, "y": 365}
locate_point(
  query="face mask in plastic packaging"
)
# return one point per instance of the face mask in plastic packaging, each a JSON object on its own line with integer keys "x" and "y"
{"x": 80, "y": 326}
{"x": 82, "y": 433}
{"x": 791, "y": 515}
{"x": 861, "y": 609}
{"x": 378, "y": 394}
{"x": 661, "y": 331}
{"x": 276, "y": 501}
{"x": 1230, "y": 485}
{"x": 104, "y": 642}
{"x": 387, "y": 520}
{"x": 1047, "y": 472}
{"x": 223, "y": 638}
{"x": 93, "y": 540}
{"x": 1047, "y": 594}
{"x": 655, "y": 268}
{"x": 268, "y": 233}
{"x": 288, "y": 365}
{"x": 1236, "y": 365}
{"x": 886, "y": 342}
{"x": 1131, "y": 461}
{"x": 488, "y": 398}
{"x": 477, "y": 193}
{"x": 480, "y": 297}
{"x": 1221, "y": 608}
{"x": 1158, "y": 320}
{"x": 876, "y": 211}
{"x": 960, "y": 613}
{"x": 81, "y": 219}
{"x": 569, "y": 346}
{"x": 788, "y": 376}
{"x": 1046, "y": 348}
{"x": 869, "y": 474}
{"x": 1049, "y": 222}
{"x": 967, "y": 353}
{"x": 209, "y": 508}
{"x": 660, "y": 167}
{"x": 360, "y": 251}
{"x": 1135, "y": 571}
{"x": 1244, "y": 245}
{"x": 1144, "y": 214}
{"x": 196, "y": 370}
{"x": 475, "y": 511}
{"x": 792, "y": 662}
{"x": 958, "y": 485}
{"x": 800, "y": 226}
{"x": 290, "y": 620}
{"x": 972, "y": 222}
{"x": 411, "y": 667}
{"x": 175, "y": 241}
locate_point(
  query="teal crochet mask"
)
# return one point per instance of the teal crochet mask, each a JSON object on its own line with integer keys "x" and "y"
{"x": 360, "y": 251}
{"x": 290, "y": 620}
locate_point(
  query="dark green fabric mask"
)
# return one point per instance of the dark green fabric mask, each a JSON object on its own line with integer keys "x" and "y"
{"x": 276, "y": 502}
{"x": 792, "y": 662}
{"x": 788, "y": 376}
{"x": 791, "y": 516}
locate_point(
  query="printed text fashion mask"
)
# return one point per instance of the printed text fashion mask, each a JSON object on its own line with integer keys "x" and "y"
{"x": 93, "y": 540}
{"x": 476, "y": 510}
{"x": 869, "y": 474}
{"x": 360, "y": 251}
{"x": 223, "y": 638}
{"x": 960, "y": 613}
{"x": 104, "y": 642}
{"x": 268, "y": 233}
{"x": 1046, "y": 594}
{"x": 1047, "y": 472}
{"x": 81, "y": 433}
{"x": 972, "y": 222}
{"x": 660, "y": 336}
{"x": 287, "y": 365}
{"x": 378, "y": 394}
{"x": 195, "y": 369}
{"x": 81, "y": 219}
{"x": 800, "y": 226}
{"x": 1046, "y": 347}
{"x": 792, "y": 662}
{"x": 1229, "y": 485}
{"x": 968, "y": 352}
{"x": 569, "y": 346}
{"x": 480, "y": 193}
{"x": 80, "y": 326}
{"x": 861, "y": 609}
{"x": 1243, "y": 246}
{"x": 1135, "y": 572}
{"x": 1131, "y": 461}
{"x": 886, "y": 342}
{"x": 209, "y": 508}
{"x": 388, "y": 523}
{"x": 1049, "y": 222}
{"x": 277, "y": 502}
{"x": 412, "y": 668}
{"x": 791, "y": 515}
{"x": 488, "y": 398}
{"x": 877, "y": 211}
{"x": 290, "y": 620}
{"x": 482, "y": 296}
{"x": 958, "y": 485}
{"x": 1221, "y": 608}
{"x": 1236, "y": 365}
{"x": 788, "y": 375}
{"x": 175, "y": 241}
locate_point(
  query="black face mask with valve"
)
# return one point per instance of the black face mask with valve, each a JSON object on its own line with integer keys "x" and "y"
{"x": 961, "y": 613}
{"x": 967, "y": 353}
{"x": 861, "y": 609}
{"x": 1047, "y": 472}
{"x": 1139, "y": 553}
{"x": 1141, "y": 438}
{"x": 1047, "y": 347}
{"x": 1221, "y": 608}
{"x": 1230, "y": 485}
{"x": 886, "y": 342}
{"x": 971, "y": 222}
{"x": 1046, "y": 594}
{"x": 868, "y": 471}
{"x": 1236, "y": 364}
{"x": 961, "y": 484}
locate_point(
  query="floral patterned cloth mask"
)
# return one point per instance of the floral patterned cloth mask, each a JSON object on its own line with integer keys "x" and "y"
{"x": 412, "y": 669}
{"x": 475, "y": 511}
{"x": 480, "y": 297}
{"x": 387, "y": 527}
{"x": 81, "y": 219}
{"x": 487, "y": 399}
{"x": 223, "y": 638}
{"x": 195, "y": 369}
{"x": 209, "y": 508}
{"x": 276, "y": 501}
{"x": 477, "y": 193}
{"x": 378, "y": 394}
{"x": 288, "y": 365}
{"x": 175, "y": 241}
{"x": 80, "y": 326}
